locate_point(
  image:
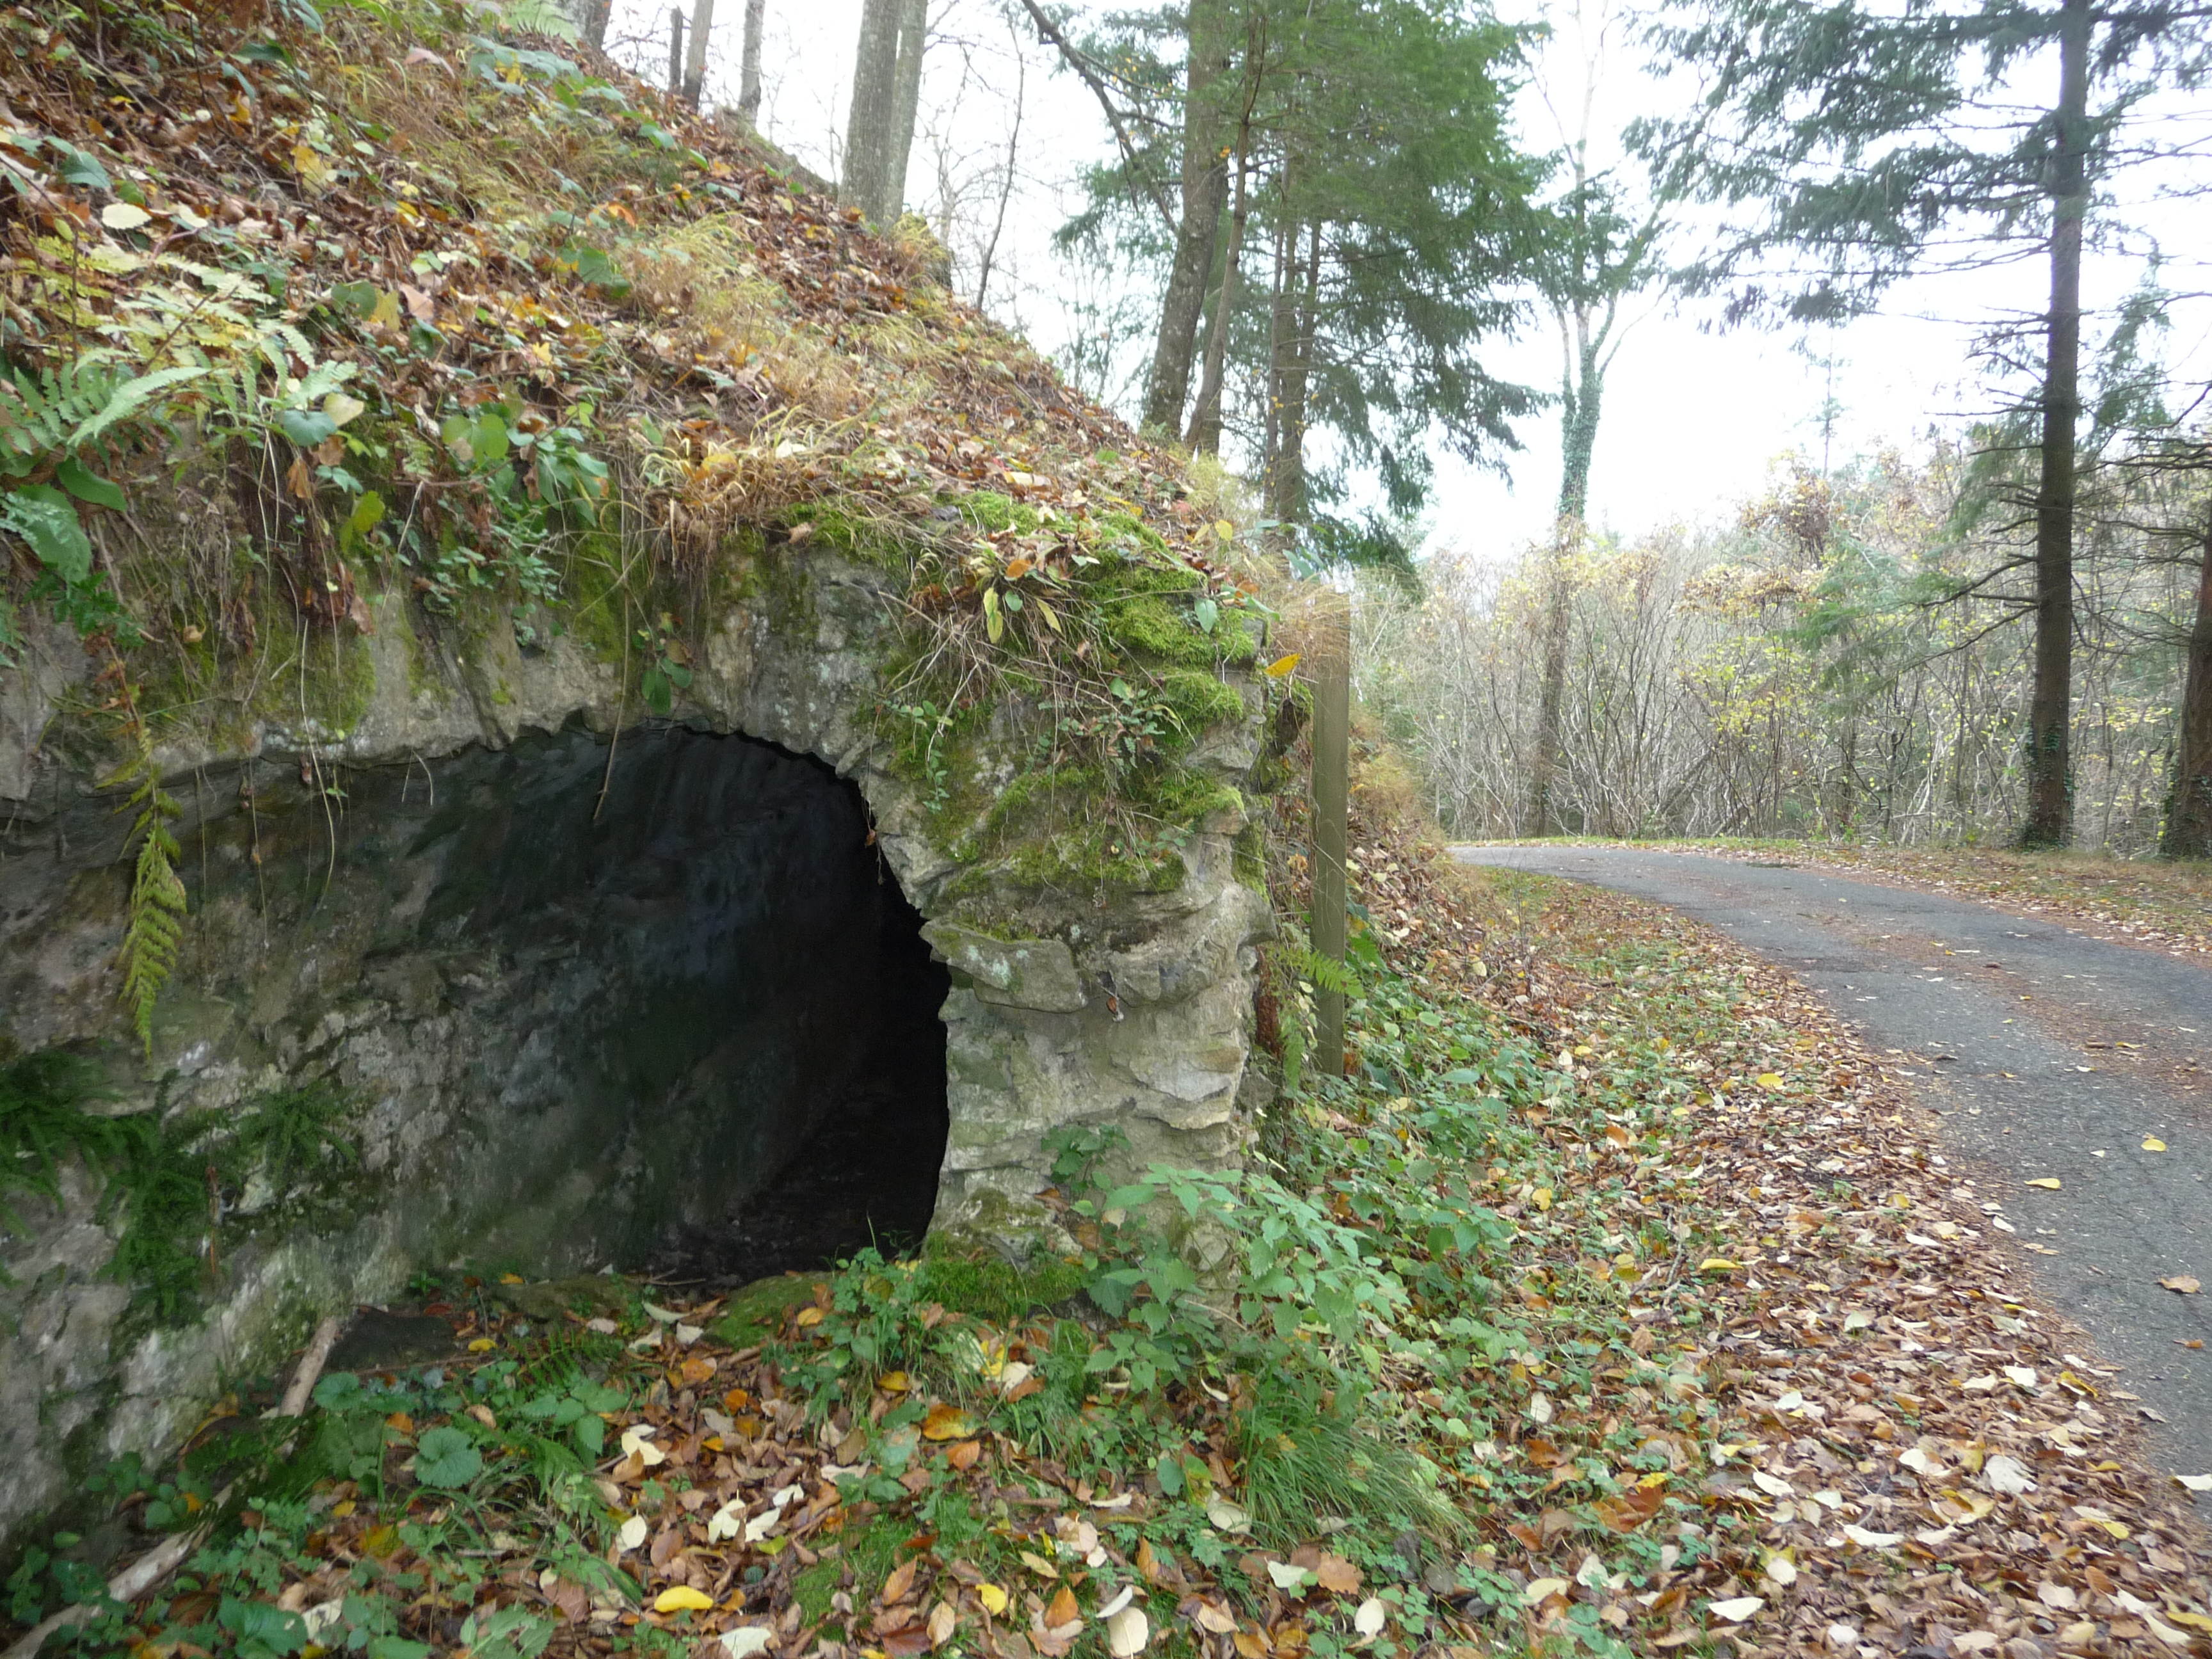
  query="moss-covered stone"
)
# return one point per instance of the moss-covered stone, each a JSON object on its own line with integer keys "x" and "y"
{"x": 757, "y": 1313}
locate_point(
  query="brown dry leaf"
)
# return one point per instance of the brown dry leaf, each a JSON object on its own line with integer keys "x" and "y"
{"x": 694, "y": 1372}
{"x": 963, "y": 1455}
{"x": 942, "y": 1621}
{"x": 1337, "y": 1576}
{"x": 1062, "y": 1608}
{"x": 2182, "y": 1283}
{"x": 899, "y": 1585}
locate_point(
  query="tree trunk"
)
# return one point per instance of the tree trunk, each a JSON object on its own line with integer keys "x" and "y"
{"x": 2049, "y": 774}
{"x": 1287, "y": 473}
{"x": 675, "y": 49}
{"x": 1205, "y": 435}
{"x": 596, "y": 13}
{"x": 868, "y": 145}
{"x": 1198, "y": 234}
{"x": 906, "y": 102}
{"x": 694, "y": 60}
{"x": 2189, "y": 814}
{"x": 1581, "y": 393}
{"x": 749, "y": 86}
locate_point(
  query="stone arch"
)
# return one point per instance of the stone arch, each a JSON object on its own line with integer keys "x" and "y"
{"x": 1069, "y": 1003}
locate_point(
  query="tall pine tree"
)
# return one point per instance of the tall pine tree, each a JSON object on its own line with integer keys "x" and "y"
{"x": 1871, "y": 140}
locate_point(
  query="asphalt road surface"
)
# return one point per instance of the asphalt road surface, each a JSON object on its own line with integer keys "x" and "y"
{"x": 2048, "y": 1051}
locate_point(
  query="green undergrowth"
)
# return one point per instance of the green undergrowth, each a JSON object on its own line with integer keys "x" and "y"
{"x": 180, "y": 1189}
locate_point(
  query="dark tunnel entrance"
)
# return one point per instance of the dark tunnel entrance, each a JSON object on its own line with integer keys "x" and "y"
{"x": 865, "y": 1128}
{"x": 729, "y": 1007}
{"x": 818, "y": 961}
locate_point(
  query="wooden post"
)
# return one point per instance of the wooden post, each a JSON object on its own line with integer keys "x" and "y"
{"x": 675, "y": 49}
{"x": 1332, "y": 780}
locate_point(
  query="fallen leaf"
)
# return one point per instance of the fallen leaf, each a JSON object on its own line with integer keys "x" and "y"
{"x": 746, "y": 1640}
{"x": 1772, "y": 1485}
{"x": 2182, "y": 1283}
{"x": 2196, "y": 1482}
{"x": 1919, "y": 1461}
{"x": 942, "y": 1621}
{"x": 632, "y": 1532}
{"x": 1541, "y": 1590}
{"x": 2008, "y": 1476}
{"x": 2058, "y": 1596}
{"x": 1736, "y": 1608}
{"x": 681, "y": 1598}
{"x": 1770, "y": 1079}
{"x": 947, "y": 1422}
{"x": 992, "y": 1598}
{"x": 1038, "y": 1565}
{"x": 1227, "y": 1515}
{"x": 900, "y": 1584}
{"x": 637, "y": 1442}
{"x": 122, "y": 215}
{"x": 1717, "y": 1264}
{"x": 1122, "y": 1597}
{"x": 963, "y": 1455}
{"x": 1216, "y": 1620}
{"x": 2049, "y": 1182}
{"x": 1370, "y": 1618}
{"x": 1336, "y": 1574}
{"x": 1781, "y": 1570}
{"x": 1873, "y": 1541}
{"x": 1061, "y": 1609}
{"x": 1286, "y": 1576}
{"x": 2153, "y": 1144}
{"x": 1126, "y": 1632}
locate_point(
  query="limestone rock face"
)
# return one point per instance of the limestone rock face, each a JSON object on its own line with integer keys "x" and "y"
{"x": 582, "y": 975}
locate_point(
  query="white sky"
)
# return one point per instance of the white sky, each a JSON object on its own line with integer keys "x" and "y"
{"x": 1693, "y": 419}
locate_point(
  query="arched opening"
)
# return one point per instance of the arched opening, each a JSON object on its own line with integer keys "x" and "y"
{"x": 700, "y": 1021}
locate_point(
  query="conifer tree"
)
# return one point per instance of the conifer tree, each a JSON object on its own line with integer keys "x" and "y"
{"x": 1869, "y": 142}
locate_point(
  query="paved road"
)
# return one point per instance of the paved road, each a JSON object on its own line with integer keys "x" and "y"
{"x": 2049, "y": 1053}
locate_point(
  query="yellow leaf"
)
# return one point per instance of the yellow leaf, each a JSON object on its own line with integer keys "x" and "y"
{"x": 482, "y": 1344}
{"x": 1037, "y": 1563}
{"x": 808, "y": 1317}
{"x": 505, "y": 1279}
{"x": 2153, "y": 1144}
{"x": 1542, "y": 1198}
{"x": 123, "y": 215}
{"x": 2049, "y": 1182}
{"x": 947, "y": 1422}
{"x": 1770, "y": 1079}
{"x": 1223, "y": 529}
{"x": 1717, "y": 1264}
{"x": 1282, "y": 666}
{"x": 682, "y": 1598}
{"x": 2182, "y": 1284}
{"x": 992, "y": 1598}
{"x": 893, "y": 1383}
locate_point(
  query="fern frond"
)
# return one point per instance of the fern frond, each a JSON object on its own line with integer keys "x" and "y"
{"x": 156, "y": 930}
{"x": 1327, "y": 973}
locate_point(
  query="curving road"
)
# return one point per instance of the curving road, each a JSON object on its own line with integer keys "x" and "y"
{"x": 2048, "y": 1052}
